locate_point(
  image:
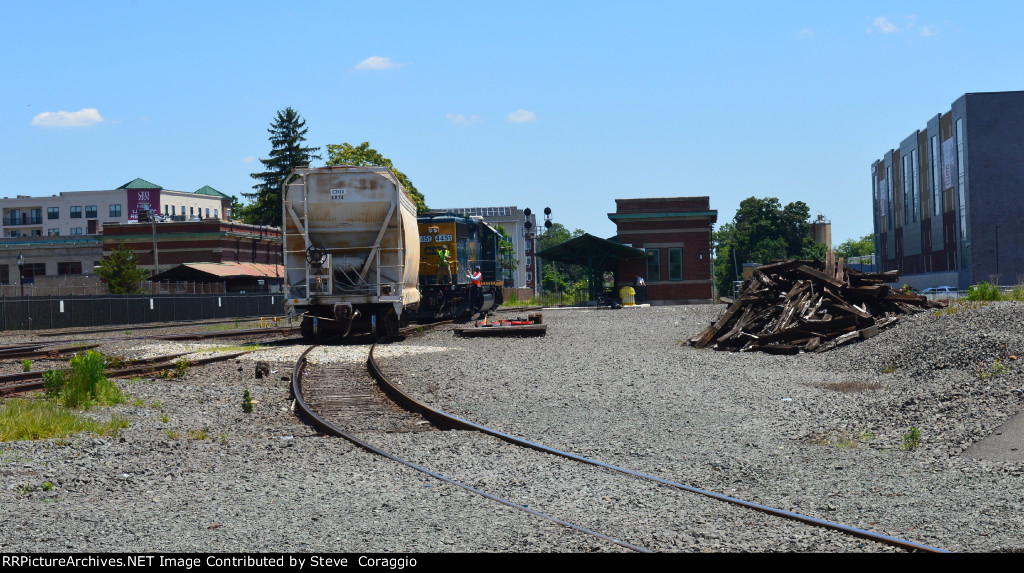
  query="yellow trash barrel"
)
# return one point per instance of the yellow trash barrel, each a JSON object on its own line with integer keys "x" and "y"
{"x": 626, "y": 293}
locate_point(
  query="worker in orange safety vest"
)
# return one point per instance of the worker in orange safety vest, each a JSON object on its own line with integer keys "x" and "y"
{"x": 476, "y": 280}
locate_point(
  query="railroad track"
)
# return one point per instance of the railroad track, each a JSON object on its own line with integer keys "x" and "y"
{"x": 349, "y": 401}
{"x": 22, "y": 382}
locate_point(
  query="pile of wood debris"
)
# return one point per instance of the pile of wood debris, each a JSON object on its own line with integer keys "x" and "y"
{"x": 797, "y": 305}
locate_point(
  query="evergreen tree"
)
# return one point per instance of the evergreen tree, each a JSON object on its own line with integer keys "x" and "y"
{"x": 120, "y": 271}
{"x": 347, "y": 154}
{"x": 287, "y": 134}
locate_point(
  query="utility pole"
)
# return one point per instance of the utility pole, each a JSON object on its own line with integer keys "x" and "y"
{"x": 147, "y": 215}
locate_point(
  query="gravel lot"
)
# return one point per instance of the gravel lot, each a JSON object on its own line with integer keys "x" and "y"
{"x": 818, "y": 434}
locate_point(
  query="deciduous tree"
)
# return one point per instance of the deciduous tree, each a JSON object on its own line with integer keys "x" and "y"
{"x": 363, "y": 154}
{"x": 762, "y": 230}
{"x": 856, "y": 247}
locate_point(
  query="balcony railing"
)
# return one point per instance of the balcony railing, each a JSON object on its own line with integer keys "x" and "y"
{"x": 24, "y": 220}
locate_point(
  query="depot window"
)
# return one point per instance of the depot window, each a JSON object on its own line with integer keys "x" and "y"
{"x": 90, "y": 211}
{"x": 675, "y": 264}
{"x": 76, "y": 212}
{"x": 53, "y": 212}
{"x": 115, "y": 210}
{"x": 653, "y": 265}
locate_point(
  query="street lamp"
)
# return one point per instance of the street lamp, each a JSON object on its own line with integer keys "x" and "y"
{"x": 21, "y": 272}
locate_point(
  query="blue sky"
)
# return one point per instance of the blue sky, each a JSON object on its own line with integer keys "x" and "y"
{"x": 562, "y": 104}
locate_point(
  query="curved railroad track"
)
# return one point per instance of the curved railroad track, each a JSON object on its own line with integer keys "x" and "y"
{"x": 349, "y": 401}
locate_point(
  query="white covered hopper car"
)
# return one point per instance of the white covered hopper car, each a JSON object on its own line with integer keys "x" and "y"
{"x": 351, "y": 251}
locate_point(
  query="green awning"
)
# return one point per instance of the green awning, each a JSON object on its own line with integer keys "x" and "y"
{"x": 595, "y": 254}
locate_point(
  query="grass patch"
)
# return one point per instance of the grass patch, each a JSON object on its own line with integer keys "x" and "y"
{"x": 244, "y": 348}
{"x": 25, "y": 419}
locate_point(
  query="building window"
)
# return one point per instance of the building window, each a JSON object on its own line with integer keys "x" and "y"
{"x": 76, "y": 230}
{"x": 936, "y": 190}
{"x": 961, "y": 169}
{"x": 69, "y": 268}
{"x": 15, "y": 234}
{"x": 53, "y": 212}
{"x": 915, "y": 187}
{"x": 90, "y": 212}
{"x": 53, "y": 232}
{"x": 528, "y": 259}
{"x": 76, "y": 212}
{"x": 34, "y": 270}
{"x": 675, "y": 264}
{"x": 115, "y": 210}
{"x": 207, "y": 212}
{"x": 5, "y": 278}
{"x": 215, "y": 215}
{"x": 529, "y": 277}
{"x": 37, "y": 233}
{"x": 889, "y": 197}
{"x": 653, "y": 265}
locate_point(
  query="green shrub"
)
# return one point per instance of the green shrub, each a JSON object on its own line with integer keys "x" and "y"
{"x": 983, "y": 291}
{"x": 53, "y": 383}
{"x": 88, "y": 384}
{"x": 26, "y": 365}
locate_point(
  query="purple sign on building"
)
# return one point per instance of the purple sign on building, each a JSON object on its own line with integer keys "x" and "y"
{"x": 142, "y": 199}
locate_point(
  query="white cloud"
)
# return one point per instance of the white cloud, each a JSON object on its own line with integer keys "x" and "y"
{"x": 459, "y": 119}
{"x": 887, "y": 26}
{"x": 379, "y": 63}
{"x": 806, "y": 33}
{"x": 883, "y": 25}
{"x": 249, "y": 159}
{"x": 522, "y": 116}
{"x": 87, "y": 116}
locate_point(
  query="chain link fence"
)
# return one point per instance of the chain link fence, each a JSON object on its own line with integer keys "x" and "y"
{"x": 72, "y": 311}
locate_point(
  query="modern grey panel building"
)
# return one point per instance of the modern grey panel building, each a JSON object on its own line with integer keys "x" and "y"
{"x": 949, "y": 201}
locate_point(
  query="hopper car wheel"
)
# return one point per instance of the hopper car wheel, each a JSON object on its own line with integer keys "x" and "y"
{"x": 309, "y": 332}
{"x": 384, "y": 325}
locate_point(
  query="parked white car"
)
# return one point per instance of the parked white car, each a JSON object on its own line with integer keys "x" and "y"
{"x": 941, "y": 292}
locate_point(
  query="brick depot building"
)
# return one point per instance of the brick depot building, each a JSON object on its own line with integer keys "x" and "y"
{"x": 675, "y": 232}
{"x": 205, "y": 241}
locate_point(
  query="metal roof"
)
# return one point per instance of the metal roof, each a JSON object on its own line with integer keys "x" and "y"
{"x": 588, "y": 250}
{"x": 207, "y": 190}
{"x": 224, "y": 270}
{"x": 139, "y": 183}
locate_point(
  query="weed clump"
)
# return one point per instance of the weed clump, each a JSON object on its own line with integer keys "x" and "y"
{"x": 247, "y": 401}
{"x": 912, "y": 439}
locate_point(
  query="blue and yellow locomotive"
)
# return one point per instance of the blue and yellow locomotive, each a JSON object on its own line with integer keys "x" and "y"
{"x": 452, "y": 248}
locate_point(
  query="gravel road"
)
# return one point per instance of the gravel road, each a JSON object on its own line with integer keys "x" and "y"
{"x": 818, "y": 434}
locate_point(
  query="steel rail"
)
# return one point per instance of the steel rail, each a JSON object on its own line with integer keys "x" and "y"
{"x": 329, "y": 428}
{"x": 445, "y": 419}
